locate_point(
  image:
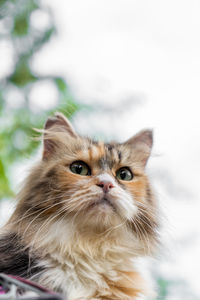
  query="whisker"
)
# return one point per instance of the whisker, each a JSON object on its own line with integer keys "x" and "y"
{"x": 31, "y": 208}
{"x": 44, "y": 210}
{"x": 49, "y": 220}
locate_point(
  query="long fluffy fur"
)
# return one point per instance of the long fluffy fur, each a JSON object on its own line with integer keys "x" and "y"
{"x": 64, "y": 237}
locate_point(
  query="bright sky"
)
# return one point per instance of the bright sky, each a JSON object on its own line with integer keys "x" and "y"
{"x": 142, "y": 59}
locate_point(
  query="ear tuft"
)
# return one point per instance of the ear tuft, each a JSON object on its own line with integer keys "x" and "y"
{"x": 60, "y": 123}
{"x": 142, "y": 144}
{"x": 145, "y": 136}
{"x": 57, "y": 123}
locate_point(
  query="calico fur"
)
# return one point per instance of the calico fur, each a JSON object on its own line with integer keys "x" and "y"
{"x": 15, "y": 259}
{"x": 66, "y": 235}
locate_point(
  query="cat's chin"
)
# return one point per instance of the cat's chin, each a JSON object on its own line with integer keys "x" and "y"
{"x": 103, "y": 205}
{"x": 101, "y": 216}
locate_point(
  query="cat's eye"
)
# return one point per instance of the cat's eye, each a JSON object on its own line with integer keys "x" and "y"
{"x": 80, "y": 168}
{"x": 124, "y": 174}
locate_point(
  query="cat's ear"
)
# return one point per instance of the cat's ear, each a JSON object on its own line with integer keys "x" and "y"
{"x": 141, "y": 144}
{"x": 60, "y": 123}
{"x": 57, "y": 123}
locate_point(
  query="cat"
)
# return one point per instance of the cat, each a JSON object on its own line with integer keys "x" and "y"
{"x": 84, "y": 215}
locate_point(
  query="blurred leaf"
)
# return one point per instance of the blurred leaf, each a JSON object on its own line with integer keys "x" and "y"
{"x": 163, "y": 288}
{"x": 61, "y": 84}
{"x": 21, "y": 25}
{"x": 48, "y": 35}
{"x": 18, "y": 120}
{"x": 2, "y": 2}
{"x": 4, "y": 182}
{"x": 70, "y": 108}
{"x": 22, "y": 74}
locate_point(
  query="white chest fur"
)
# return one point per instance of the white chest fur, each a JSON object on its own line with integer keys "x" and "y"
{"x": 84, "y": 278}
{"x": 85, "y": 269}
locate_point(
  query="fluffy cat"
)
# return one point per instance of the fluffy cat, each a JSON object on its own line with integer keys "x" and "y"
{"x": 85, "y": 214}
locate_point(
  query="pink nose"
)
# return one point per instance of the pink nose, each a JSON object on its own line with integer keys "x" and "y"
{"x": 105, "y": 185}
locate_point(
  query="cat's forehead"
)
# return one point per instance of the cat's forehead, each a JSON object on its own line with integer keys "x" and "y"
{"x": 103, "y": 155}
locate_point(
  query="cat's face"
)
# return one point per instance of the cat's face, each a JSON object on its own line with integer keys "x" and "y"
{"x": 93, "y": 184}
{"x": 98, "y": 184}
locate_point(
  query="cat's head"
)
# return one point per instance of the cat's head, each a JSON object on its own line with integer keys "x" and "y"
{"x": 94, "y": 185}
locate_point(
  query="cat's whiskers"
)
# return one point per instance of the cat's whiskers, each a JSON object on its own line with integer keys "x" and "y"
{"x": 144, "y": 234}
{"x": 37, "y": 216}
{"x": 145, "y": 208}
{"x": 49, "y": 220}
{"x": 83, "y": 207}
{"x": 31, "y": 208}
{"x": 75, "y": 202}
{"x": 112, "y": 228}
{"x": 144, "y": 219}
{"x": 62, "y": 210}
{"x": 136, "y": 228}
{"x": 139, "y": 231}
{"x": 26, "y": 216}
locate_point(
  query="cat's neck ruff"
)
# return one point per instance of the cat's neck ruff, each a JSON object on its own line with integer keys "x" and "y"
{"x": 64, "y": 238}
{"x": 74, "y": 261}
{"x": 96, "y": 267}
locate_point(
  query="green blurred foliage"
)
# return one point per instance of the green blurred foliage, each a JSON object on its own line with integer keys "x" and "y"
{"x": 163, "y": 286}
{"x": 17, "y": 120}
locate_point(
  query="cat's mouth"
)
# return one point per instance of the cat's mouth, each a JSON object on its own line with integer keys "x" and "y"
{"x": 104, "y": 201}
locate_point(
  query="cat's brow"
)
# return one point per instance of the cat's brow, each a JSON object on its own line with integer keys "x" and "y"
{"x": 96, "y": 151}
{"x": 112, "y": 156}
{"x": 103, "y": 155}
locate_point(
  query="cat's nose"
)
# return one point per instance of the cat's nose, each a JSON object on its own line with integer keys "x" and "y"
{"x": 105, "y": 185}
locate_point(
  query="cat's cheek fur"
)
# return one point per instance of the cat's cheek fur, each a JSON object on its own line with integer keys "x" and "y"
{"x": 124, "y": 203}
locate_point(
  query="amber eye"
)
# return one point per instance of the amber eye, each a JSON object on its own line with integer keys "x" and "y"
{"x": 80, "y": 168}
{"x": 124, "y": 174}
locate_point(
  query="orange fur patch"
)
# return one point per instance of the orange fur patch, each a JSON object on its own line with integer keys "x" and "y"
{"x": 129, "y": 286}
